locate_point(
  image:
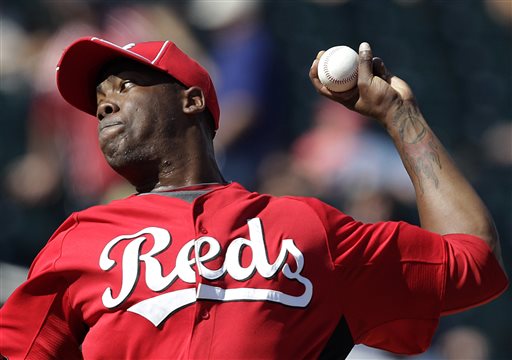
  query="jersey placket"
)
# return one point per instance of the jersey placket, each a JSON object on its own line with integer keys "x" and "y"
{"x": 204, "y": 315}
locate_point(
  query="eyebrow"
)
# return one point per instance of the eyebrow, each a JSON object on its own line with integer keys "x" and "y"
{"x": 99, "y": 89}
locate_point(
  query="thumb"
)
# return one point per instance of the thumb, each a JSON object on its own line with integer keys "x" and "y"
{"x": 365, "y": 64}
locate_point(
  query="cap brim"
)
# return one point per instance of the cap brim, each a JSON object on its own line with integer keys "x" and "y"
{"x": 79, "y": 68}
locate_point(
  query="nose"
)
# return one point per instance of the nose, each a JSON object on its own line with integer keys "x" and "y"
{"x": 106, "y": 108}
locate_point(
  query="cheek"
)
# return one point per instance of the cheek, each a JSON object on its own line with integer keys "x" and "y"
{"x": 138, "y": 118}
{"x": 142, "y": 124}
{"x": 147, "y": 114}
{"x": 151, "y": 119}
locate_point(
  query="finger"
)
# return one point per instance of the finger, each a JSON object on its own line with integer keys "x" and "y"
{"x": 365, "y": 63}
{"x": 346, "y": 96}
{"x": 320, "y": 53}
{"x": 380, "y": 69}
{"x": 313, "y": 76}
{"x": 313, "y": 71}
{"x": 322, "y": 89}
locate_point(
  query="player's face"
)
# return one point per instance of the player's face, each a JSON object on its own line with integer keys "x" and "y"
{"x": 136, "y": 113}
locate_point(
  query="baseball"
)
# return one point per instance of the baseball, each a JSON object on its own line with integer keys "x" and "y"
{"x": 337, "y": 68}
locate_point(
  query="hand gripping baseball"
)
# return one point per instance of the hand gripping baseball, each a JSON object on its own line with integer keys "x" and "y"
{"x": 378, "y": 93}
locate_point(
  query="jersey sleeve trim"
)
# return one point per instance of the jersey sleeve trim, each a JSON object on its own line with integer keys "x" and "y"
{"x": 474, "y": 276}
{"x": 475, "y": 304}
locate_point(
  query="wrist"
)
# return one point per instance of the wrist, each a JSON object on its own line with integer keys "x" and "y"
{"x": 398, "y": 119}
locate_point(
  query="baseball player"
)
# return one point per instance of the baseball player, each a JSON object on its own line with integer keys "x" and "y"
{"x": 193, "y": 266}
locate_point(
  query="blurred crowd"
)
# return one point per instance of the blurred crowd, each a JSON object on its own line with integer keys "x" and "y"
{"x": 277, "y": 135}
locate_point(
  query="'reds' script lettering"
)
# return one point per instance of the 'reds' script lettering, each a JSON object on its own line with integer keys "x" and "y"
{"x": 160, "y": 307}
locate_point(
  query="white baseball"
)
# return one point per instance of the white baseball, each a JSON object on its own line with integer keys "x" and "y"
{"x": 337, "y": 68}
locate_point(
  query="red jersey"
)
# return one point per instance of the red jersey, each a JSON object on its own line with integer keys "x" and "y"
{"x": 235, "y": 274}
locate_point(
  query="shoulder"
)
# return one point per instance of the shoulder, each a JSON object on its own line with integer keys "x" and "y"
{"x": 291, "y": 203}
{"x": 119, "y": 211}
{"x": 329, "y": 215}
{"x": 300, "y": 201}
{"x": 111, "y": 205}
{"x": 308, "y": 210}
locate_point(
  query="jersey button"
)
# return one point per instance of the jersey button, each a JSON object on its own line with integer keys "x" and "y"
{"x": 203, "y": 230}
{"x": 205, "y": 314}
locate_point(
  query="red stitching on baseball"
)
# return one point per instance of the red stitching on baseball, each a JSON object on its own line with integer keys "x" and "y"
{"x": 330, "y": 77}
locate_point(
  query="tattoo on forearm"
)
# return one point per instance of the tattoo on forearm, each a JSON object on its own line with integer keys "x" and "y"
{"x": 419, "y": 148}
{"x": 410, "y": 128}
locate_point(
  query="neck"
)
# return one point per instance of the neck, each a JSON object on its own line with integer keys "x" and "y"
{"x": 194, "y": 164}
{"x": 194, "y": 172}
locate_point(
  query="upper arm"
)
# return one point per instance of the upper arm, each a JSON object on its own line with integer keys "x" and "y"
{"x": 37, "y": 320}
{"x": 36, "y": 323}
{"x": 474, "y": 275}
{"x": 394, "y": 276}
{"x": 397, "y": 279}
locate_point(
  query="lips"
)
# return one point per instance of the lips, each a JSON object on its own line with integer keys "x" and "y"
{"x": 106, "y": 124}
{"x": 109, "y": 130}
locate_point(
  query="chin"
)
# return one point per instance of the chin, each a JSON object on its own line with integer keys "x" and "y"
{"x": 118, "y": 161}
{"x": 117, "y": 156}
{"x": 134, "y": 167}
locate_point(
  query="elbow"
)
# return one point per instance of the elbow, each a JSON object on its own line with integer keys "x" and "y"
{"x": 489, "y": 234}
{"x": 492, "y": 239}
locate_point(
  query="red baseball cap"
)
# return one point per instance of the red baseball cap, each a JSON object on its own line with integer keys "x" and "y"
{"x": 81, "y": 62}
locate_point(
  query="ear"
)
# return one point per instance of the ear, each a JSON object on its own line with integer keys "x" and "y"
{"x": 192, "y": 100}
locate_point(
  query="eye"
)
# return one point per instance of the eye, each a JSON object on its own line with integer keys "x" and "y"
{"x": 125, "y": 85}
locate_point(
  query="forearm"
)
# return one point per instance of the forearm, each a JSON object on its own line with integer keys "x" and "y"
{"x": 446, "y": 202}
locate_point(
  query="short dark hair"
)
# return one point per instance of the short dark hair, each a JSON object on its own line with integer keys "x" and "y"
{"x": 210, "y": 123}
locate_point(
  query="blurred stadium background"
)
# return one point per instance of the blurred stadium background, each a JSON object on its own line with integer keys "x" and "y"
{"x": 277, "y": 135}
